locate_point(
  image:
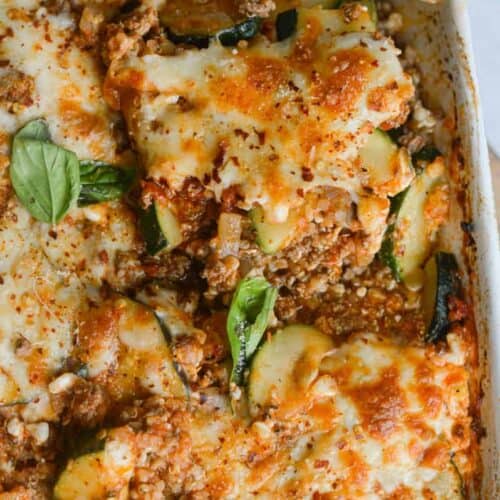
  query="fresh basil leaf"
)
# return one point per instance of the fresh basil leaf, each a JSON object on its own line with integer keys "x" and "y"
{"x": 36, "y": 129}
{"x": 103, "y": 182}
{"x": 45, "y": 177}
{"x": 249, "y": 314}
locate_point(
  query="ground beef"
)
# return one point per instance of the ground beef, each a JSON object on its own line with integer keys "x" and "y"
{"x": 160, "y": 428}
{"x": 310, "y": 263}
{"x": 364, "y": 300}
{"x": 84, "y": 405}
{"x": 306, "y": 267}
{"x": 27, "y": 467}
{"x": 17, "y": 90}
{"x": 126, "y": 36}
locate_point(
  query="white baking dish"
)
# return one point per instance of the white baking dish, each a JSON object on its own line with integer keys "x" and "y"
{"x": 441, "y": 35}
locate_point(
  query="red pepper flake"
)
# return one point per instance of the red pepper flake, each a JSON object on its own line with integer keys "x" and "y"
{"x": 321, "y": 464}
{"x": 103, "y": 255}
{"x": 262, "y": 137}
{"x": 240, "y": 133}
{"x": 307, "y": 174}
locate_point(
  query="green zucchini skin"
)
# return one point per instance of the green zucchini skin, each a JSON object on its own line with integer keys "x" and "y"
{"x": 397, "y": 201}
{"x": 386, "y": 253}
{"x": 86, "y": 441}
{"x": 445, "y": 283}
{"x": 272, "y": 238}
{"x": 460, "y": 480}
{"x": 151, "y": 231}
{"x": 286, "y": 24}
{"x": 407, "y": 246}
{"x": 227, "y": 37}
{"x": 245, "y": 30}
{"x": 160, "y": 228}
{"x": 167, "y": 335}
{"x": 199, "y": 41}
{"x": 427, "y": 154}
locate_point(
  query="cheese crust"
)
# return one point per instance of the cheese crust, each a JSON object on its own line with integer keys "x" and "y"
{"x": 271, "y": 120}
{"x": 116, "y": 362}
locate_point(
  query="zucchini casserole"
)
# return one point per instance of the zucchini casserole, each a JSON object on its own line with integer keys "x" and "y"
{"x": 223, "y": 263}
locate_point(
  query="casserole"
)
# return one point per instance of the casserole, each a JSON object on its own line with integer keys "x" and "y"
{"x": 274, "y": 168}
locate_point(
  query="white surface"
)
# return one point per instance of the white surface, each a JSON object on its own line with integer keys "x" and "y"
{"x": 484, "y": 16}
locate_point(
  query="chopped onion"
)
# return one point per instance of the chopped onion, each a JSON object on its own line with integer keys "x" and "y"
{"x": 229, "y": 234}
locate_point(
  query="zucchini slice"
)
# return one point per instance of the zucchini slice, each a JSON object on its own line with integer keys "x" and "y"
{"x": 407, "y": 242}
{"x": 160, "y": 228}
{"x": 131, "y": 356}
{"x": 145, "y": 356}
{"x": 101, "y": 474}
{"x": 387, "y": 166}
{"x": 441, "y": 282}
{"x": 83, "y": 478}
{"x": 273, "y": 237}
{"x": 286, "y": 365}
{"x": 195, "y": 23}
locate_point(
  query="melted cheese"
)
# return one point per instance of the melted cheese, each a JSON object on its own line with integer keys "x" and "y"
{"x": 37, "y": 311}
{"x": 44, "y": 270}
{"x": 67, "y": 85}
{"x": 44, "y": 273}
{"x": 90, "y": 242}
{"x": 270, "y": 119}
{"x": 389, "y": 428}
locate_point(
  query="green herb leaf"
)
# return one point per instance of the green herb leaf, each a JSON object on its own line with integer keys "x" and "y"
{"x": 103, "y": 182}
{"x": 36, "y": 129}
{"x": 45, "y": 177}
{"x": 247, "y": 321}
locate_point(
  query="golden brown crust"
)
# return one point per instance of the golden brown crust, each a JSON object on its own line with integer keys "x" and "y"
{"x": 382, "y": 388}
